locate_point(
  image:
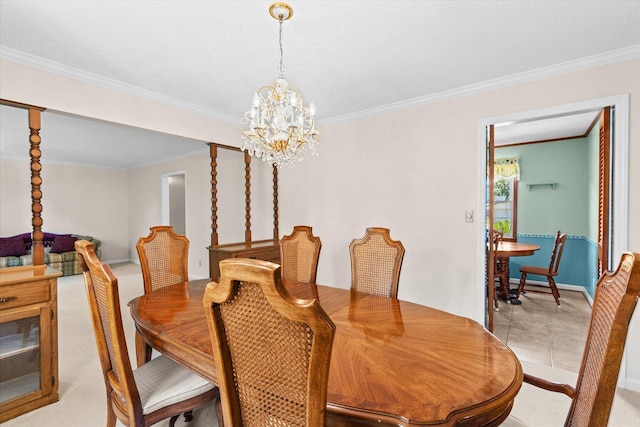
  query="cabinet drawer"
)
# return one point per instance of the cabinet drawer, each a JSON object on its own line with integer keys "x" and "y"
{"x": 24, "y": 294}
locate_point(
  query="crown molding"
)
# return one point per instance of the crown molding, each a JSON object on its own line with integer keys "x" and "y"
{"x": 593, "y": 61}
{"x": 53, "y": 67}
{"x": 631, "y": 52}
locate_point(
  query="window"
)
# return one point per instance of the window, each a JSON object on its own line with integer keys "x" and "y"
{"x": 505, "y": 202}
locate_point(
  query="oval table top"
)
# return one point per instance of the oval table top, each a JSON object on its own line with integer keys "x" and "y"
{"x": 393, "y": 362}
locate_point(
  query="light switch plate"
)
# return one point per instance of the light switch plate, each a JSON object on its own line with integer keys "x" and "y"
{"x": 468, "y": 216}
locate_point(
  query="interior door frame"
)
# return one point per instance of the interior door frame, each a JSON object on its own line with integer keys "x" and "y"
{"x": 619, "y": 179}
{"x": 165, "y": 199}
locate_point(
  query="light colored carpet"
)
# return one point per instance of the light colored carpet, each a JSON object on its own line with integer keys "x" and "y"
{"x": 82, "y": 393}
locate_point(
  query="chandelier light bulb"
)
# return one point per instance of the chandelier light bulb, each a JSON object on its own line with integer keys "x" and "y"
{"x": 279, "y": 128}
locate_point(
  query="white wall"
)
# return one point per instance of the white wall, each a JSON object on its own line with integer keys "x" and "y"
{"x": 145, "y": 206}
{"x": 15, "y": 197}
{"x": 145, "y": 203}
{"x": 413, "y": 171}
{"x": 75, "y": 199}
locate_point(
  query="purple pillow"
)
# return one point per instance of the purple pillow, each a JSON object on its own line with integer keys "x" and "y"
{"x": 12, "y": 246}
{"x": 63, "y": 244}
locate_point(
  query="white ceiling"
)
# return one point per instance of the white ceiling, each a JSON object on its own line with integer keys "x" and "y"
{"x": 351, "y": 58}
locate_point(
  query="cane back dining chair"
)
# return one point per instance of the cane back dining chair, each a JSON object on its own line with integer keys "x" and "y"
{"x": 271, "y": 350}
{"x": 158, "y": 390}
{"x": 614, "y": 303}
{"x": 164, "y": 257}
{"x": 376, "y": 260}
{"x": 299, "y": 254}
{"x": 549, "y": 272}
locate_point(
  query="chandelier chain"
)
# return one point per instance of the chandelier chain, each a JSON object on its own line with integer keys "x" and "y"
{"x": 281, "y": 51}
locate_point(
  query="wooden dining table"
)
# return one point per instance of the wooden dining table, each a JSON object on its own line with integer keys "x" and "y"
{"x": 393, "y": 362}
{"x": 507, "y": 249}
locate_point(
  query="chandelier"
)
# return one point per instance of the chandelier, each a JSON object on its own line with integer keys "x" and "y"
{"x": 279, "y": 128}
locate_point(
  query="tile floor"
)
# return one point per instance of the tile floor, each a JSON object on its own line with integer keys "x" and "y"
{"x": 540, "y": 332}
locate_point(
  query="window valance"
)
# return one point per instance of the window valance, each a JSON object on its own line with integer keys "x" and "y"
{"x": 507, "y": 167}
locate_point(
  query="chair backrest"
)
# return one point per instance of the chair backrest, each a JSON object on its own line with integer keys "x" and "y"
{"x": 376, "y": 260}
{"x": 164, "y": 258}
{"x": 272, "y": 350}
{"x": 498, "y": 272}
{"x": 299, "y": 254}
{"x": 496, "y": 238}
{"x": 104, "y": 305}
{"x": 614, "y": 303}
{"x": 558, "y": 247}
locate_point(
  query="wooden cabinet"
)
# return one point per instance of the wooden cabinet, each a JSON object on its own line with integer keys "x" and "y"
{"x": 28, "y": 339}
{"x": 267, "y": 250}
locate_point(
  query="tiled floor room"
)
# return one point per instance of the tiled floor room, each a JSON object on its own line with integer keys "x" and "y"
{"x": 540, "y": 332}
{"x": 549, "y": 341}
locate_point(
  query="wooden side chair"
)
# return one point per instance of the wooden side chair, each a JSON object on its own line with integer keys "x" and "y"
{"x": 376, "y": 260}
{"x": 549, "y": 272}
{"x": 500, "y": 270}
{"x": 299, "y": 254}
{"x": 614, "y": 303}
{"x": 164, "y": 259}
{"x": 158, "y": 390}
{"x": 272, "y": 350}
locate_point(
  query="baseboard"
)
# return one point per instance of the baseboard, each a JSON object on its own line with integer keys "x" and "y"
{"x": 120, "y": 261}
{"x": 137, "y": 262}
{"x": 632, "y": 384}
{"x": 561, "y": 286}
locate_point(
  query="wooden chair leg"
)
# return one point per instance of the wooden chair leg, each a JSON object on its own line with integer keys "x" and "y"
{"x": 111, "y": 416}
{"x": 219, "y": 412}
{"x": 523, "y": 279}
{"x": 554, "y": 289}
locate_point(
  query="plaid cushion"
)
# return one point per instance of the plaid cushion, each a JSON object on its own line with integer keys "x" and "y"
{"x": 69, "y": 257}
{"x": 9, "y": 261}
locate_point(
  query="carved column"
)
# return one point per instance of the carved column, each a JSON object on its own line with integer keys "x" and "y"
{"x": 36, "y": 182}
{"x": 213, "y": 153}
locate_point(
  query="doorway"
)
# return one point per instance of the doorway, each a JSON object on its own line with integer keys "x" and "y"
{"x": 173, "y": 201}
{"x": 618, "y": 175}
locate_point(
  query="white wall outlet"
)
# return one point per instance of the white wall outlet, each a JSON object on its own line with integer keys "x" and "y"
{"x": 468, "y": 216}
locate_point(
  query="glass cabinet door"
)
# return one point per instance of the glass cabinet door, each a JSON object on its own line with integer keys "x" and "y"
{"x": 23, "y": 369}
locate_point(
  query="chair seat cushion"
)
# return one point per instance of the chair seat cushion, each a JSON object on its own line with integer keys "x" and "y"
{"x": 162, "y": 382}
{"x": 529, "y": 269}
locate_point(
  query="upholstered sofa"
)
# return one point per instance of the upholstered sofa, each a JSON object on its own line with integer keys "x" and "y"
{"x": 59, "y": 251}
